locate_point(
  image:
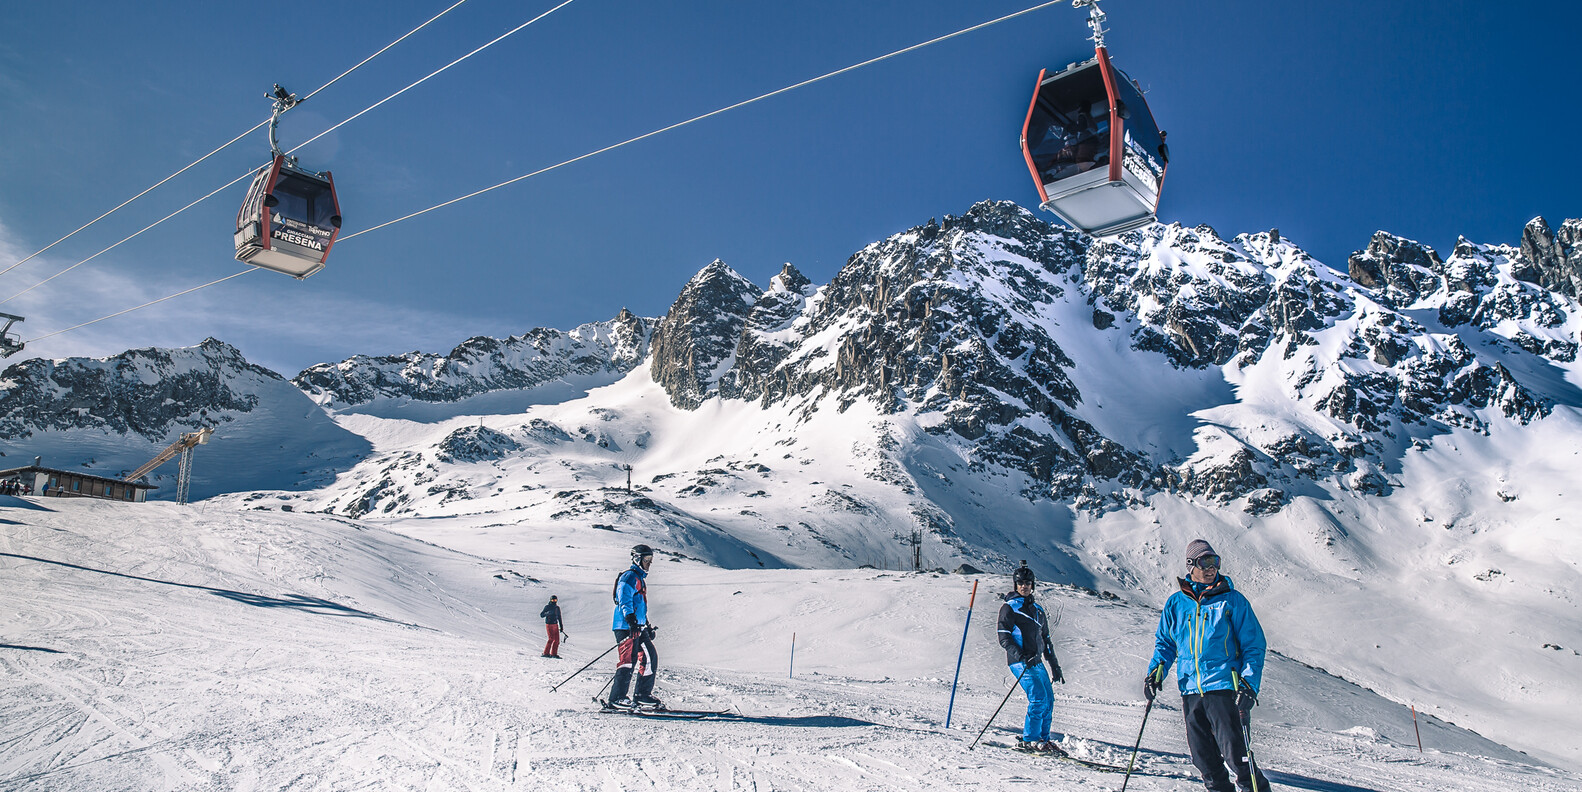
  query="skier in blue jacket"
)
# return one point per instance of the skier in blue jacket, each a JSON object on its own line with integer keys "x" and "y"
{"x": 1024, "y": 633}
{"x": 634, "y": 634}
{"x": 1210, "y": 640}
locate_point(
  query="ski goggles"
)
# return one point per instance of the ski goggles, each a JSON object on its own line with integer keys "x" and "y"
{"x": 1204, "y": 562}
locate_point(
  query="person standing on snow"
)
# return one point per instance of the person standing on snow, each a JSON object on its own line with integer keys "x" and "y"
{"x": 634, "y": 635}
{"x": 1210, "y": 635}
{"x": 1024, "y": 633}
{"x": 552, "y": 623}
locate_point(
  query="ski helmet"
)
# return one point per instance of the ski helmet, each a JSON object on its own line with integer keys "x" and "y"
{"x": 640, "y": 551}
{"x": 1023, "y": 575}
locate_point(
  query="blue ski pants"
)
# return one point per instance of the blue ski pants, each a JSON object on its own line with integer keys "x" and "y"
{"x": 1040, "y": 701}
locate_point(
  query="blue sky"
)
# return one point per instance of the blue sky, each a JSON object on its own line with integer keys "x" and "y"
{"x": 1326, "y": 120}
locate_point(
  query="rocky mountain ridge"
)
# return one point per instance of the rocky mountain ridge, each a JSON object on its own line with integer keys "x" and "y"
{"x": 965, "y": 325}
{"x": 957, "y": 320}
{"x": 108, "y": 416}
{"x": 483, "y": 365}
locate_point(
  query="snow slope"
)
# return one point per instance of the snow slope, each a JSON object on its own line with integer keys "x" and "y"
{"x": 1451, "y": 595}
{"x": 226, "y": 647}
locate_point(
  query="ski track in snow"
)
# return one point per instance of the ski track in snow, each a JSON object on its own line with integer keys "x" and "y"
{"x": 160, "y": 648}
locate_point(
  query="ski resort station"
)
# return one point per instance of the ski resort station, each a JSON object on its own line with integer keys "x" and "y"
{"x": 49, "y": 482}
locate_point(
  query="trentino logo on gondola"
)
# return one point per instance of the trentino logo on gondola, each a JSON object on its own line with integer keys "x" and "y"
{"x": 298, "y": 233}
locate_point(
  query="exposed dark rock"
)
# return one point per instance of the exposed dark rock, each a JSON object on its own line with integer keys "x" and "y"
{"x": 695, "y": 344}
{"x": 149, "y": 392}
{"x": 475, "y": 444}
{"x": 1552, "y": 260}
{"x": 1400, "y": 270}
{"x": 1264, "y": 501}
{"x": 483, "y": 365}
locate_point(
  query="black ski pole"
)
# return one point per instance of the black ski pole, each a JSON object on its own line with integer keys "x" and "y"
{"x": 586, "y": 667}
{"x": 996, "y": 714}
{"x": 1133, "y": 761}
{"x": 1252, "y": 764}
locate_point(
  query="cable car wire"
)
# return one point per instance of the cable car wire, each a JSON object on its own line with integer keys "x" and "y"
{"x": 144, "y": 305}
{"x": 678, "y": 125}
{"x": 251, "y": 172}
{"x": 228, "y": 143}
{"x": 128, "y": 239}
{"x": 502, "y": 37}
{"x": 744, "y": 103}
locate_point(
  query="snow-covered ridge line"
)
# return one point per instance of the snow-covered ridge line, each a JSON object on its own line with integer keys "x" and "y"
{"x": 482, "y": 365}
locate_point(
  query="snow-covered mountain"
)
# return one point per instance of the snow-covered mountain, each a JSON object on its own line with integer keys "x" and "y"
{"x": 1383, "y": 456}
{"x": 108, "y": 416}
{"x": 549, "y": 363}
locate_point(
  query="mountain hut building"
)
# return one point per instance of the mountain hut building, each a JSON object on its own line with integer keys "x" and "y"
{"x": 51, "y": 483}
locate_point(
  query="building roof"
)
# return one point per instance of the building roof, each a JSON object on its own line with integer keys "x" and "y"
{"x": 76, "y": 474}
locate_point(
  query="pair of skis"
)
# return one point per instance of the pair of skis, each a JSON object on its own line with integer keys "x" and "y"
{"x": 661, "y": 712}
{"x": 1060, "y": 753}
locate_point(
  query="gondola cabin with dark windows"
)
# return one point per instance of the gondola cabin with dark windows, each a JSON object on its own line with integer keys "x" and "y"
{"x": 1094, "y": 150}
{"x": 289, "y": 221}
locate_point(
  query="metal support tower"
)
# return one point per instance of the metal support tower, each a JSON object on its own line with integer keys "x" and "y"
{"x": 184, "y": 477}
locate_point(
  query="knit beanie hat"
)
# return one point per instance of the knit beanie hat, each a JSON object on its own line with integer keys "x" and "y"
{"x": 1199, "y": 548}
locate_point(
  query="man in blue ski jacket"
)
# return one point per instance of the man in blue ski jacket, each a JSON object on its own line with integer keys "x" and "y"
{"x": 634, "y": 634}
{"x": 1024, "y": 634}
{"x": 1210, "y": 640}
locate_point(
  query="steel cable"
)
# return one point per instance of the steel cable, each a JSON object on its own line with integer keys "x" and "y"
{"x": 249, "y": 173}
{"x": 612, "y": 147}
{"x": 693, "y": 120}
{"x": 225, "y": 146}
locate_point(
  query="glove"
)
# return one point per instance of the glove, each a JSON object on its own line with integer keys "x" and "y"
{"x": 1246, "y": 697}
{"x": 1153, "y": 682}
{"x": 649, "y": 631}
{"x": 631, "y": 622}
{"x": 1055, "y": 674}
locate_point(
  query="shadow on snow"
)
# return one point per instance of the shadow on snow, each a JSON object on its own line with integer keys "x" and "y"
{"x": 290, "y": 601}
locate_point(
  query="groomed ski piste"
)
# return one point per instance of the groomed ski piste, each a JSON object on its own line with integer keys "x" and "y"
{"x": 220, "y": 647}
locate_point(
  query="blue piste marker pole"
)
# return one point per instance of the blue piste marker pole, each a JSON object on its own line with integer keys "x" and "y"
{"x": 973, "y": 599}
{"x": 792, "y": 673}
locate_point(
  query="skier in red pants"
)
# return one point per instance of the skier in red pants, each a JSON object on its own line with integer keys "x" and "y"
{"x": 551, "y": 614}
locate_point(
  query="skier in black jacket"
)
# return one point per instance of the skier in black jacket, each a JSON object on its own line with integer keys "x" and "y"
{"x": 1024, "y": 632}
{"x": 551, "y": 616}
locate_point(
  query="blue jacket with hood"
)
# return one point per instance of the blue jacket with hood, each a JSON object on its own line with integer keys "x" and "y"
{"x": 1212, "y": 636}
{"x": 631, "y": 598}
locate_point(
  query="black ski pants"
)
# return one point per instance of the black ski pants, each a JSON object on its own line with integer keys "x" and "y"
{"x": 1214, "y": 734}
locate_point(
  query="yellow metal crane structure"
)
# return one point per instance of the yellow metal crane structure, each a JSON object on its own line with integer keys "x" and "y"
{"x": 183, "y": 447}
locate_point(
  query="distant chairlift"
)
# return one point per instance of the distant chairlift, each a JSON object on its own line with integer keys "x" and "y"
{"x": 10, "y": 343}
{"x": 1091, "y": 143}
{"x": 290, "y": 219}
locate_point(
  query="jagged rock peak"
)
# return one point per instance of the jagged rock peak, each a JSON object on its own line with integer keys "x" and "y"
{"x": 695, "y": 343}
{"x": 1398, "y": 268}
{"x": 1552, "y": 260}
{"x": 789, "y": 280}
